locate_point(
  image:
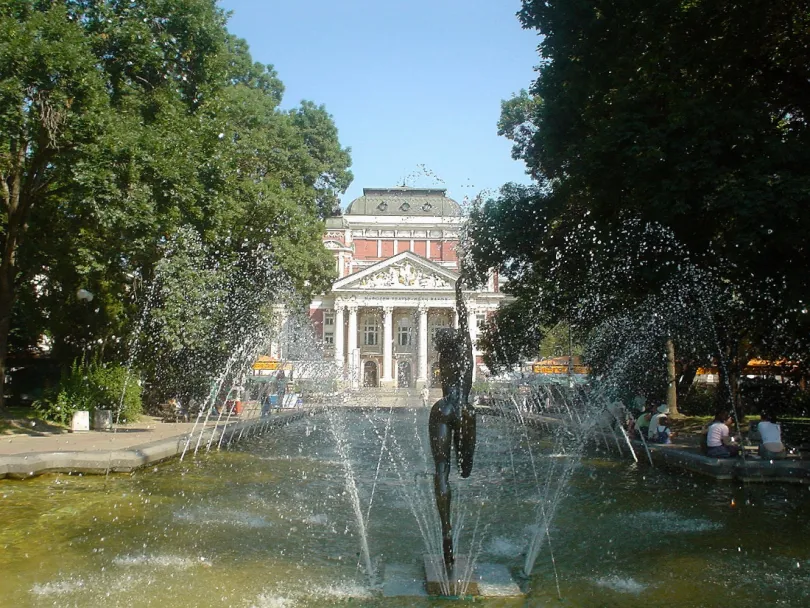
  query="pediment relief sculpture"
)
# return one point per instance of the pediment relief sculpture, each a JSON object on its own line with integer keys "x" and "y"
{"x": 403, "y": 276}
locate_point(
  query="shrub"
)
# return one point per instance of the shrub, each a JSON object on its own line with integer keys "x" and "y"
{"x": 93, "y": 386}
{"x": 699, "y": 400}
{"x": 781, "y": 398}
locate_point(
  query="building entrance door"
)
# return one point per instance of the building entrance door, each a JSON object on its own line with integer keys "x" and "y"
{"x": 370, "y": 374}
{"x": 404, "y": 374}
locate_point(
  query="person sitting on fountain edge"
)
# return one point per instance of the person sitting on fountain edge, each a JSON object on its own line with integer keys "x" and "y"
{"x": 769, "y": 434}
{"x": 719, "y": 443}
{"x": 651, "y": 431}
{"x": 452, "y": 418}
{"x": 662, "y": 433}
{"x": 642, "y": 425}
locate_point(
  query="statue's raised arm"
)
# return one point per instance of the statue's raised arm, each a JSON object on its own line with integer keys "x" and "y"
{"x": 466, "y": 355}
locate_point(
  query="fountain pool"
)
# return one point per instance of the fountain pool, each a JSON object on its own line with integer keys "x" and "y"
{"x": 271, "y": 524}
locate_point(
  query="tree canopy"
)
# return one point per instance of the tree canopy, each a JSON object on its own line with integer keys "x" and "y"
{"x": 122, "y": 123}
{"x": 669, "y": 144}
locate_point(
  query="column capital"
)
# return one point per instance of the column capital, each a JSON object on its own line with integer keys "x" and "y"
{"x": 388, "y": 309}
{"x": 340, "y": 305}
{"x": 422, "y": 308}
{"x": 352, "y": 307}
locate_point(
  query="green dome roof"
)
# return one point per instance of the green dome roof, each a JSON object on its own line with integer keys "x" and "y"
{"x": 403, "y": 200}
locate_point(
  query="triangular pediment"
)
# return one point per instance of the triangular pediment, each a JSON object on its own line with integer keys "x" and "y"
{"x": 403, "y": 272}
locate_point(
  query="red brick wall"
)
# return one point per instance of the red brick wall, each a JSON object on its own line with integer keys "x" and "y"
{"x": 365, "y": 249}
{"x": 387, "y": 249}
{"x": 449, "y": 250}
{"x": 403, "y": 246}
{"x": 419, "y": 248}
{"x": 435, "y": 250}
{"x": 316, "y": 316}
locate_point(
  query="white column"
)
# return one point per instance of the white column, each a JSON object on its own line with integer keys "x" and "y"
{"x": 278, "y": 326}
{"x": 423, "y": 345}
{"x": 354, "y": 372}
{"x": 283, "y": 338}
{"x": 455, "y": 317}
{"x": 339, "y": 308}
{"x": 388, "y": 339}
{"x": 473, "y": 319}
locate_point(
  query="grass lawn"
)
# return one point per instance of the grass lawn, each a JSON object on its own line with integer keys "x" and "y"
{"x": 23, "y": 420}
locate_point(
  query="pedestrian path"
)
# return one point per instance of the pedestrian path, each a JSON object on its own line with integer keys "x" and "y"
{"x": 126, "y": 448}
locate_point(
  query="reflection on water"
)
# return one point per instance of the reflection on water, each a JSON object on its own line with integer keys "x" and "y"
{"x": 270, "y": 525}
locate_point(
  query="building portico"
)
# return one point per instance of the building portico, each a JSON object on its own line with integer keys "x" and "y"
{"x": 379, "y": 320}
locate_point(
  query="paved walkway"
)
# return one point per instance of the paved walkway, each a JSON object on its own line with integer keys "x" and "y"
{"x": 147, "y": 430}
{"x": 127, "y": 448}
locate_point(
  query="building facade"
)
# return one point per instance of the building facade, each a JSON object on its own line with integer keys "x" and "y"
{"x": 395, "y": 254}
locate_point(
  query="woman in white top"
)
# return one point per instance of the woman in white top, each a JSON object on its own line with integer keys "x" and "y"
{"x": 771, "y": 436}
{"x": 718, "y": 439}
{"x": 654, "y": 421}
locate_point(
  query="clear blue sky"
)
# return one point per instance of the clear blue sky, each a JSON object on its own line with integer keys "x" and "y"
{"x": 414, "y": 86}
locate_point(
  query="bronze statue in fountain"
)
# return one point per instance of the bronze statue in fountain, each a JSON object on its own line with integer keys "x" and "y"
{"x": 452, "y": 418}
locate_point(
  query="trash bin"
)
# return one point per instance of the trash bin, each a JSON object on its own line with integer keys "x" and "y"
{"x": 80, "y": 421}
{"x": 102, "y": 420}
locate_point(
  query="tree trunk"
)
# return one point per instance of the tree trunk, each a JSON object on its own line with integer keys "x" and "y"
{"x": 672, "y": 380}
{"x": 687, "y": 377}
{"x": 7, "y": 294}
{"x": 16, "y": 209}
{"x": 730, "y": 362}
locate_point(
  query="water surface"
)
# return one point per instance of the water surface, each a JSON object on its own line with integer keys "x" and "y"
{"x": 271, "y": 523}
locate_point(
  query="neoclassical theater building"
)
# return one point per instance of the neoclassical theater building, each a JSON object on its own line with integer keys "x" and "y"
{"x": 395, "y": 254}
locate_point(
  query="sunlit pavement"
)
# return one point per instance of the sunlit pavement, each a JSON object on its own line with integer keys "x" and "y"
{"x": 124, "y": 437}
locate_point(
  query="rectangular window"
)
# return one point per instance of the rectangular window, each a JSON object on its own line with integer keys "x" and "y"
{"x": 404, "y": 335}
{"x": 480, "y": 319}
{"x": 435, "y": 326}
{"x": 329, "y": 327}
{"x": 371, "y": 332}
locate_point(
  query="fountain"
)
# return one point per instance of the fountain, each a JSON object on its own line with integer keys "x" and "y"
{"x": 273, "y": 521}
{"x": 341, "y": 505}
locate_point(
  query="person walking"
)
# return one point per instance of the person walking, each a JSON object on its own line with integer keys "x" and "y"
{"x": 281, "y": 383}
{"x": 266, "y": 404}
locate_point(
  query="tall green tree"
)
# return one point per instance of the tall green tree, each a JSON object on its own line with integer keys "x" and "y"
{"x": 122, "y": 122}
{"x": 687, "y": 120}
{"x": 52, "y": 103}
